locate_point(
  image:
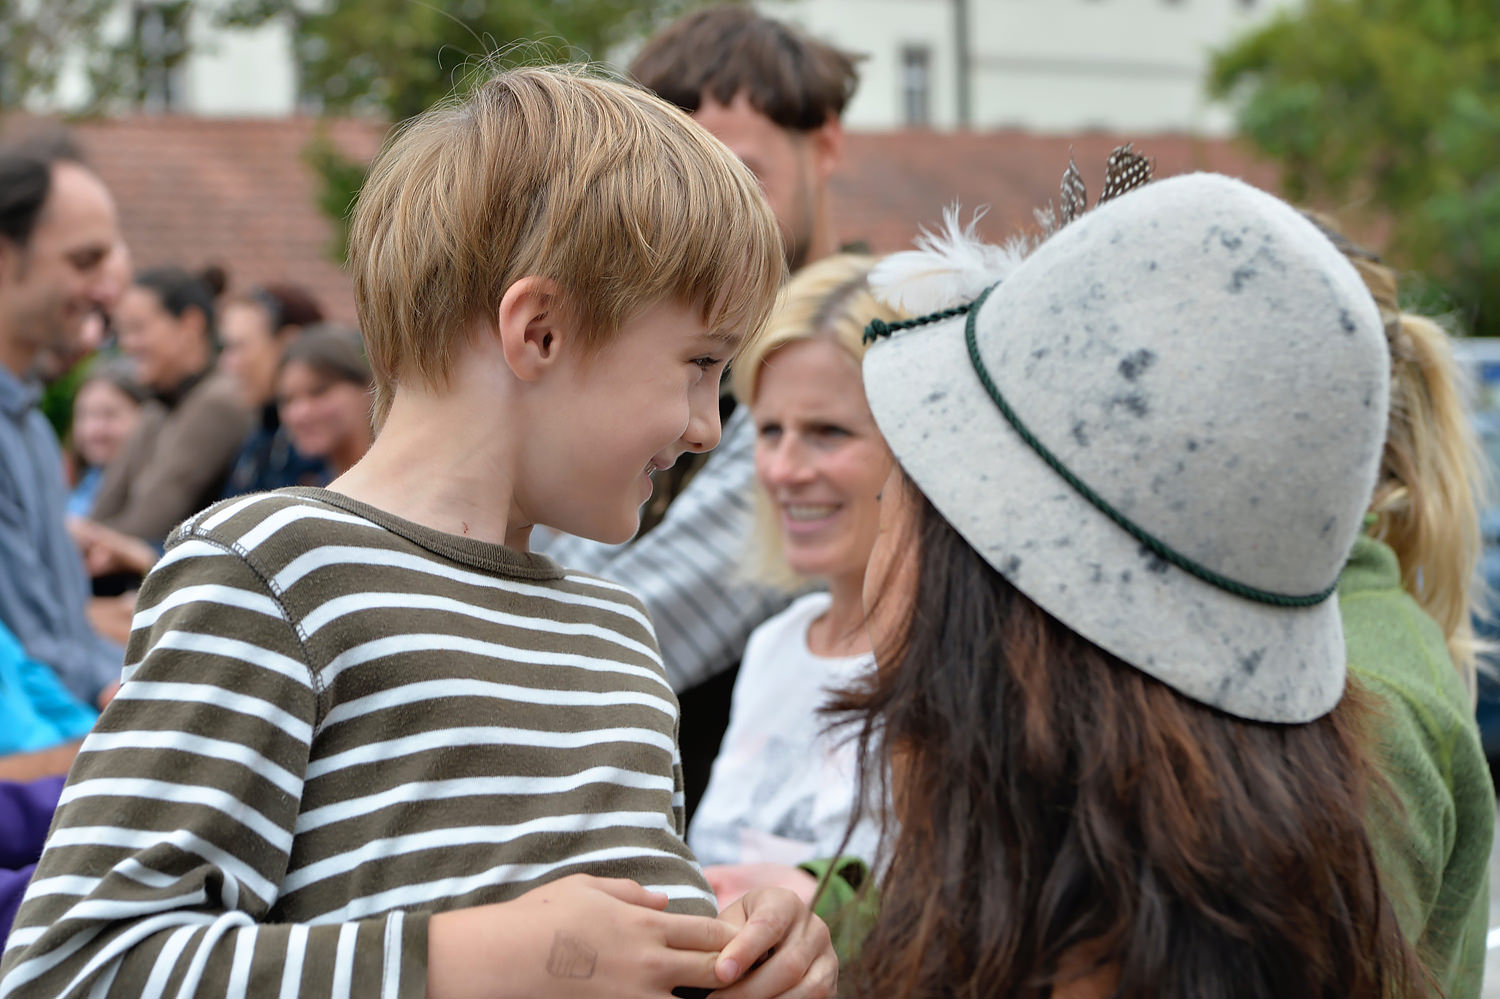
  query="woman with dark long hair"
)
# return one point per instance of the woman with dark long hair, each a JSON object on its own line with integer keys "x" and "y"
{"x": 1110, "y": 702}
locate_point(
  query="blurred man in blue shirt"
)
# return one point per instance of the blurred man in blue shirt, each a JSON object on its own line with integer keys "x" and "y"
{"x": 59, "y": 238}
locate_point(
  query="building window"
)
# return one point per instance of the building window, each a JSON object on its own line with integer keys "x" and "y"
{"x": 161, "y": 46}
{"x": 916, "y": 86}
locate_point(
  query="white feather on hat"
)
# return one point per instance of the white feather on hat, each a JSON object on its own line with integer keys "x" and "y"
{"x": 948, "y": 268}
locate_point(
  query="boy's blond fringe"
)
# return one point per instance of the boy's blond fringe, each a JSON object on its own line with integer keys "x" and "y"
{"x": 562, "y": 173}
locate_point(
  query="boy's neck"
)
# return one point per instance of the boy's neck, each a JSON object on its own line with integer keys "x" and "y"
{"x": 429, "y": 466}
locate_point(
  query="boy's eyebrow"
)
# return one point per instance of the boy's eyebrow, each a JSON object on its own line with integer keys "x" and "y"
{"x": 732, "y": 337}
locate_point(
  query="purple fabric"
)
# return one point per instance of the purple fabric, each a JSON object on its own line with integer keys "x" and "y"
{"x": 25, "y": 815}
{"x": 12, "y": 888}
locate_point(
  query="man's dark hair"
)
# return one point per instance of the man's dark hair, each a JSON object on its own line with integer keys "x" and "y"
{"x": 179, "y": 290}
{"x": 26, "y": 180}
{"x": 795, "y": 81}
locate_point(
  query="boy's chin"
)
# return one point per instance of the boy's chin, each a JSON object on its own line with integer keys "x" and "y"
{"x": 606, "y": 531}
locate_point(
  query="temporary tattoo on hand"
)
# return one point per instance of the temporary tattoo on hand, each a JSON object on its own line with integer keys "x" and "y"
{"x": 571, "y": 957}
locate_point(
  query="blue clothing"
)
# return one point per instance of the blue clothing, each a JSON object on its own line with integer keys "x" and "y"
{"x": 43, "y": 587}
{"x": 25, "y": 815}
{"x": 268, "y": 461}
{"x": 81, "y": 499}
{"x": 36, "y": 710}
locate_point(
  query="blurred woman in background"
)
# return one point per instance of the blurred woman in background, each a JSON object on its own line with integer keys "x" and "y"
{"x": 176, "y": 462}
{"x": 255, "y": 329}
{"x": 782, "y": 791}
{"x": 1408, "y": 598}
{"x": 323, "y": 392}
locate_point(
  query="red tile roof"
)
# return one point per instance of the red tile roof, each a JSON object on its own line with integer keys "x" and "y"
{"x": 237, "y": 192}
{"x": 233, "y": 192}
{"x": 893, "y": 182}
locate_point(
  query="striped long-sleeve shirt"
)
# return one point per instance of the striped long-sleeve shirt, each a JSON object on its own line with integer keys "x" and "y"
{"x": 333, "y": 723}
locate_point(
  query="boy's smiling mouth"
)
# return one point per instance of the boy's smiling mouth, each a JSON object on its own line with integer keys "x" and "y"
{"x": 657, "y": 465}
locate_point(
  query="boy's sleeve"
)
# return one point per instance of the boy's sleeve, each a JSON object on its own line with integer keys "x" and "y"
{"x": 173, "y": 833}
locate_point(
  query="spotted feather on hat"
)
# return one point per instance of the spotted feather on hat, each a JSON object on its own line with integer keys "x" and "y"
{"x": 953, "y": 265}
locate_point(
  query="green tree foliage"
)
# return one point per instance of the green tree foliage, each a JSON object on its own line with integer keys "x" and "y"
{"x": 131, "y": 66}
{"x": 340, "y": 179}
{"x": 36, "y": 36}
{"x": 398, "y": 57}
{"x": 388, "y": 58}
{"x": 1392, "y": 106}
{"x": 395, "y": 58}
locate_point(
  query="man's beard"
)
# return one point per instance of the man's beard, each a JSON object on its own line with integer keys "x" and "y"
{"x": 797, "y": 252}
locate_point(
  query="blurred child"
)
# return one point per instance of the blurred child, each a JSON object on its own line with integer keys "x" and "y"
{"x": 106, "y": 409}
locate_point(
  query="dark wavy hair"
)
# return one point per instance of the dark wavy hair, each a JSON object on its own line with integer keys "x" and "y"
{"x": 26, "y": 181}
{"x": 797, "y": 82}
{"x": 283, "y": 303}
{"x": 179, "y": 290}
{"x": 1058, "y": 813}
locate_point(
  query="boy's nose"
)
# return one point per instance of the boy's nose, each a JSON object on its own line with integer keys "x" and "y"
{"x": 703, "y": 429}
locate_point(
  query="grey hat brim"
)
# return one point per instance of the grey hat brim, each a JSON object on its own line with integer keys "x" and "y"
{"x": 1252, "y": 660}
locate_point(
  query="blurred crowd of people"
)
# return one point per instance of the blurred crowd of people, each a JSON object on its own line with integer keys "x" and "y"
{"x": 1097, "y": 737}
{"x": 178, "y": 394}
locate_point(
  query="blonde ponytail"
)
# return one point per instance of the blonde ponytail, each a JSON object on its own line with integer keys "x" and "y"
{"x": 1432, "y": 482}
{"x": 1432, "y": 485}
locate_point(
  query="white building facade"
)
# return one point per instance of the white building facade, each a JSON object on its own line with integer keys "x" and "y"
{"x": 1043, "y": 65}
{"x": 226, "y": 72}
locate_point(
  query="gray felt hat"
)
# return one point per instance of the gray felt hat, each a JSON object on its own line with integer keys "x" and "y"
{"x": 1203, "y": 381}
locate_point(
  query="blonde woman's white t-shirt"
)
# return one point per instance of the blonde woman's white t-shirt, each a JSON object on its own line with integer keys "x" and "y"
{"x": 782, "y": 788}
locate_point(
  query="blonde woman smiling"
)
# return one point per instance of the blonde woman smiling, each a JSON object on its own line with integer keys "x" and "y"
{"x": 782, "y": 790}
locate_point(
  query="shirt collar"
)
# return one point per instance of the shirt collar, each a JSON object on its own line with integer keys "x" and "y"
{"x": 17, "y": 397}
{"x": 172, "y": 397}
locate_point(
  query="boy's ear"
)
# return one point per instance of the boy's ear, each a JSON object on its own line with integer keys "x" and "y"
{"x": 529, "y": 323}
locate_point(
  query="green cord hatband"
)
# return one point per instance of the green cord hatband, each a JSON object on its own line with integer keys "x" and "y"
{"x": 1153, "y": 544}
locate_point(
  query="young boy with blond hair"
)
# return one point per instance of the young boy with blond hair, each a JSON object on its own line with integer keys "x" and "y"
{"x": 369, "y": 745}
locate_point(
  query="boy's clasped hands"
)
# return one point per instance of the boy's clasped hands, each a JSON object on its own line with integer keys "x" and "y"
{"x": 609, "y": 937}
